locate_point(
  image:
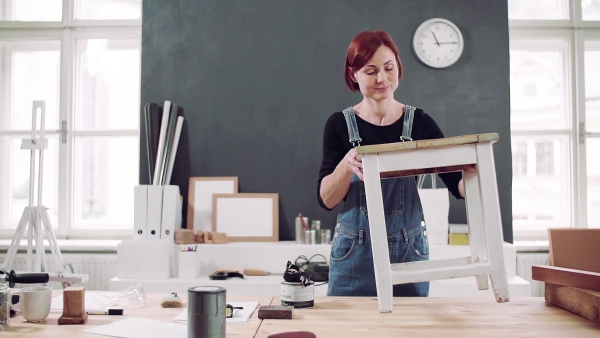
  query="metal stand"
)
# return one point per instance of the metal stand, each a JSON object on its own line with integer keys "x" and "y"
{"x": 35, "y": 217}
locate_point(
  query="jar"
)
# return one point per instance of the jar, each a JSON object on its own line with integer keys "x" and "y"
{"x": 4, "y": 306}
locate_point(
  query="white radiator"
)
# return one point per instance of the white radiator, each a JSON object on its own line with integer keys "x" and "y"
{"x": 100, "y": 267}
{"x": 524, "y": 263}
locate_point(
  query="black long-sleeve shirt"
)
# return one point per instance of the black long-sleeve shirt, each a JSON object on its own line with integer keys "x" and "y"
{"x": 336, "y": 142}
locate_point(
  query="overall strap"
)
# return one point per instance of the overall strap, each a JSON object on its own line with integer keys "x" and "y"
{"x": 352, "y": 128}
{"x": 409, "y": 112}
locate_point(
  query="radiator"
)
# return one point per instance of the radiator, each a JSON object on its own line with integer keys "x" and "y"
{"x": 524, "y": 263}
{"x": 100, "y": 267}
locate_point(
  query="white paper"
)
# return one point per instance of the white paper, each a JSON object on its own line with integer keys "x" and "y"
{"x": 239, "y": 316}
{"x": 140, "y": 328}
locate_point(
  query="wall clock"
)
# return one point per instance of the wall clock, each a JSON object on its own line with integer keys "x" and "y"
{"x": 438, "y": 43}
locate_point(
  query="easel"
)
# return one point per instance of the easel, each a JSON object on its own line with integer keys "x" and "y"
{"x": 35, "y": 217}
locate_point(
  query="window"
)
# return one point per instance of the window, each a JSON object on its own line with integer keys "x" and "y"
{"x": 82, "y": 58}
{"x": 555, "y": 114}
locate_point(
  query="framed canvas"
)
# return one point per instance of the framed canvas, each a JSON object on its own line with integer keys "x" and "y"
{"x": 200, "y": 199}
{"x": 247, "y": 217}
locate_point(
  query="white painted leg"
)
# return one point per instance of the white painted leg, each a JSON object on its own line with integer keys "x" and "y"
{"x": 476, "y": 226}
{"x": 378, "y": 231}
{"x": 492, "y": 220}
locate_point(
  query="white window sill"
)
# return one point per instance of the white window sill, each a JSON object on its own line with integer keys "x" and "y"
{"x": 71, "y": 245}
{"x": 531, "y": 246}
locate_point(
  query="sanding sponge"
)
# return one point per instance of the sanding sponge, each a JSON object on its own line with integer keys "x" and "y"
{"x": 275, "y": 312}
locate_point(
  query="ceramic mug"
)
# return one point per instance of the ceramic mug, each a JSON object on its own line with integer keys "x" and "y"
{"x": 34, "y": 302}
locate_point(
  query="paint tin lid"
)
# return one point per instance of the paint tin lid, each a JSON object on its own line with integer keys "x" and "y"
{"x": 206, "y": 289}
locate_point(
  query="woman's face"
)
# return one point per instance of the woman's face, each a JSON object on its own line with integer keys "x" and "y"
{"x": 378, "y": 79}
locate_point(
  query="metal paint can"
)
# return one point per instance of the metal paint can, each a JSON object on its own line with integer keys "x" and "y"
{"x": 298, "y": 295}
{"x": 206, "y": 312}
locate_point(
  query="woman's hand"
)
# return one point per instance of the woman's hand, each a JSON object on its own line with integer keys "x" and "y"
{"x": 353, "y": 162}
{"x": 461, "y": 185}
{"x": 334, "y": 186}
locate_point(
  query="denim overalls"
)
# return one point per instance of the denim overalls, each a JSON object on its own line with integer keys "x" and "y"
{"x": 351, "y": 264}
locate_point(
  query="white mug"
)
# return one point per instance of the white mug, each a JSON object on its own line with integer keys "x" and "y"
{"x": 34, "y": 302}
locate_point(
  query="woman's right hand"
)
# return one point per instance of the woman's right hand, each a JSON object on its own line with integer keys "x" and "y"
{"x": 353, "y": 162}
{"x": 334, "y": 186}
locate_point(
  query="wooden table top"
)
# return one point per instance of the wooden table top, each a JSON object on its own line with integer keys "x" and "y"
{"x": 49, "y": 328}
{"x": 433, "y": 317}
{"x": 359, "y": 317}
{"x": 424, "y": 144}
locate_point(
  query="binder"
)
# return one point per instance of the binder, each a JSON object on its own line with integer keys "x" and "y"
{"x": 171, "y": 212}
{"x": 140, "y": 209}
{"x": 154, "y": 213}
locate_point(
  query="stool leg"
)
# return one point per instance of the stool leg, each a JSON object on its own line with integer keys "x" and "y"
{"x": 492, "y": 220}
{"x": 378, "y": 231}
{"x": 476, "y": 225}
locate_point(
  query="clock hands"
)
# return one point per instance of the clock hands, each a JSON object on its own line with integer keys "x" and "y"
{"x": 437, "y": 42}
{"x": 435, "y": 37}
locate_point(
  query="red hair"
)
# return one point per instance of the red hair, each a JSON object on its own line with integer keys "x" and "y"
{"x": 361, "y": 50}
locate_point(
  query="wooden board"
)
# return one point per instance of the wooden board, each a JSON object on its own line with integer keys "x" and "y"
{"x": 584, "y": 303}
{"x": 423, "y": 144}
{"x": 575, "y": 248}
{"x": 568, "y": 277}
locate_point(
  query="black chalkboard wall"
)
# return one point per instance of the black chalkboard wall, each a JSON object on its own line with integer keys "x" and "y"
{"x": 256, "y": 80}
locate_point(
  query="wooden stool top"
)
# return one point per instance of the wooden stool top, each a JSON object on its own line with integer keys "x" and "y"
{"x": 422, "y": 144}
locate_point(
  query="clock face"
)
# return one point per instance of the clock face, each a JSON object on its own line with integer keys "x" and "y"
{"x": 438, "y": 43}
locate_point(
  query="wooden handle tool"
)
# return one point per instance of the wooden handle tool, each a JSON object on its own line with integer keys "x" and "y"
{"x": 256, "y": 272}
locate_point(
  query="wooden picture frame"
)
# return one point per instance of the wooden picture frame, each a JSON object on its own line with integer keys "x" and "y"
{"x": 200, "y": 199}
{"x": 247, "y": 217}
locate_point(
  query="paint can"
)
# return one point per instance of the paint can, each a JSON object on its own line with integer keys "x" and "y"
{"x": 206, "y": 311}
{"x": 298, "y": 295}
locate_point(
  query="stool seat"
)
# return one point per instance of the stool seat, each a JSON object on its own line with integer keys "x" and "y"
{"x": 483, "y": 211}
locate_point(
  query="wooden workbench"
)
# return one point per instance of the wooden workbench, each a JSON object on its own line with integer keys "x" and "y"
{"x": 359, "y": 317}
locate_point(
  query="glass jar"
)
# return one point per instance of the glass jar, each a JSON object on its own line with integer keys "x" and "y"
{"x": 4, "y": 306}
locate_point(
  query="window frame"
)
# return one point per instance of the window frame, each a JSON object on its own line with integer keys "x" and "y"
{"x": 68, "y": 32}
{"x": 577, "y": 31}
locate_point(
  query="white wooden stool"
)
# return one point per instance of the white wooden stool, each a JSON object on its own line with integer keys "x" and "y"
{"x": 483, "y": 212}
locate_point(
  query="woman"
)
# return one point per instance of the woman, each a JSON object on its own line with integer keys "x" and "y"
{"x": 373, "y": 66}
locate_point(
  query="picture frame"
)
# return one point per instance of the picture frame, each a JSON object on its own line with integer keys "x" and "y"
{"x": 200, "y": 199}
{"x": 247, "y": 217}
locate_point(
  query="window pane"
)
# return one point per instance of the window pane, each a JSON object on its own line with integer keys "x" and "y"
{"x": 537, "y": 90}
{"x": 590, "y": 9}
{"x": 541, "y": 196}
{"x": 32, "y": 73}
{"x": 108, "y": 9}
{"x": 592, "y": 88}
{"x": 108, "y": 86}
{"x": 15, "y": 179}
{"x": 539, "y": 9}
{"x": 31, "y": 10}
{"x": 593, "y": 181}
{"x": 104, "y": 176}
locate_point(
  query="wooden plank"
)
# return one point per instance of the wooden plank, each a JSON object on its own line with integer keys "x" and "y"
{"x": 424, "y": 144}
{"x": 584, "y": 303}
{"x": 575, "y": 248}
{"x": 568, "y": 277}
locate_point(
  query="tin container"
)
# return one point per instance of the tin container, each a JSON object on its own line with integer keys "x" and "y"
{"x": 309, "y": 237}
{"x": 316, "y": 226}
{"x": 298, "y": 295}
{"x": 206, "y": 312}
{"x": 300, "y": 229}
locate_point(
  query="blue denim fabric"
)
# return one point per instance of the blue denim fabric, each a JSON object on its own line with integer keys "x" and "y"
{"x": 351, "y": 271}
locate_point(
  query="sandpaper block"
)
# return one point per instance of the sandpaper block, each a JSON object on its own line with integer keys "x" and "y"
{"x": 275, "y": 312}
